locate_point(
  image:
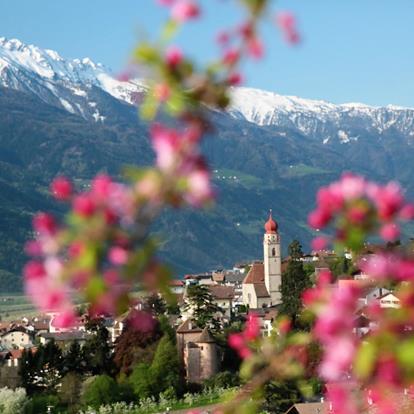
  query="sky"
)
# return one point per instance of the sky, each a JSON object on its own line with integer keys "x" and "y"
{"x": 352, "y": 50}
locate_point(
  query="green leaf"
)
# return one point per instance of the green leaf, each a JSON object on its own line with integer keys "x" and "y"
{"x": 147, "y": 54}
{"x": 365, "y": 359}
{"x": 405, "y": 355}
{"x": 149, "y": 107}
{"x": 169, "y": 30}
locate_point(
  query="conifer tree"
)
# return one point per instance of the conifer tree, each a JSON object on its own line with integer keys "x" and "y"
{"x": 294, "y": 282}
{"x": 200, "y": 302}
{"x": 73, "y": 359}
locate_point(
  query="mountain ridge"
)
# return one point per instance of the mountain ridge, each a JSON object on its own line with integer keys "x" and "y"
{"x": 276, "y": 164}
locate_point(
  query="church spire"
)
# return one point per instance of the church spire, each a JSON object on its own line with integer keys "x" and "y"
{"x": 270, "y": 225}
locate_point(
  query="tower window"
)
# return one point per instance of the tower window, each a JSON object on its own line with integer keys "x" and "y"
{"x": 273, "y": 252}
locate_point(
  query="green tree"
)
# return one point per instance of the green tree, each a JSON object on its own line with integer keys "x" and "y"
{"x": 280, "y": 396}
{"x": 162, "y": 374}
{"x": 135, "y": 346}
{"x": 72, "y": 360}
{"x": 70, "y": 389}
{"x": 141, "y": 381}
{"x": 97, "y": 350}
{"x": 201, "y": 303}
{"x": 155, "y": 304}
{"x": 165, "y": 368}
{"x": 294, "y": 282}
{"x": 102, "y": 389}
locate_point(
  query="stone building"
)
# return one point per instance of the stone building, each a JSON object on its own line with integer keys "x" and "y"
{"x": 198, "y": 352}
{"x": 262, "y": 285}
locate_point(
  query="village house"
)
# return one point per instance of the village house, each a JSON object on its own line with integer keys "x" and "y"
{"x": 309, "y": 408}
{"x": 177, "y": 286}
{"x": 64, "y": 339}
{"x": 16, "y": 338}
{"x": 223, "y": 297}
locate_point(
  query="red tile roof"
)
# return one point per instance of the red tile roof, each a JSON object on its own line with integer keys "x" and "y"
{"x": 176, "y": 282}
{"x": 222, "y": 292}
{"x": 256, "y": 274}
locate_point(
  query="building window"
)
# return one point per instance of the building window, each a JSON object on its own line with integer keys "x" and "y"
{"x": 273, "y": 252}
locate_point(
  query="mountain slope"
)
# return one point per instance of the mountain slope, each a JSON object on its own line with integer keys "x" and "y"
{"x": 70, "y": 117}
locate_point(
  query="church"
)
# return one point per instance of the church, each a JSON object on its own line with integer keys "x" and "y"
{"x": 262, "y": 285}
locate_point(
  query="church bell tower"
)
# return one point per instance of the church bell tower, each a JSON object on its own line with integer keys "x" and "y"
{"x": 272, "y": 261}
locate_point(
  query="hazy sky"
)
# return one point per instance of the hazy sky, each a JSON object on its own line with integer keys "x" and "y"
{"x": 353, "y": 50}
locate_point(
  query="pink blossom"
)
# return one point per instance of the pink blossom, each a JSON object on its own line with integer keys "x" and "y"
{"x": 356, "y": 214}
{"x": 118, "y": 256}
{"x": 388, "y": 372}
{"x": 34, "y": 270}
{"x": 337, "y": 359}
{"x": 319, "y": 243}
{"x": 166, "y": 145}
{"x": 101, "y": 187}
{"x": 33, "y": 248}
{"x": 199, "y": 187}
{"x": 352, "y": 186}
{"x": 231, "y": 57}
{"x": 44, "y": 223}
{"x": 255, "y": 47}
{"x": 340, "y": 396}
{"x": 65, "y": 318}
{"x": 388, "y": 200}
{"x": 252, "y": 328}
{"x": 162, "y": 92}
{"x": 287, "y": 24}
{"x": 223, "y": 37}
{"x": 84, "y": 206}
{"x": 174, "y": 56}
{"x": 284, "y": 326}
{"x": 407, "y": 212}
{"x": 319, "y": 218}
{"x": 165, "y": 2}
{"x": 405, "y": 270}
{"x": 111, "y": 277}
{"x": 236, "y": 340}
{"x": 390, "y": 232}
{"x": 184, "y": 10}
{"x": 378, "y": 266}
{"x": 235, "y": 79}
{"x": 330, "y": 198}
{"x": 141, "y": 321}
{"x": 61, "y": 188}
{"x": 324, "y": 277}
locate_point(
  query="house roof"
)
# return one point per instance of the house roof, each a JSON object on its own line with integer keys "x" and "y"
{"x": 65, "y": 336}
{"x": 176, "y": 282}
{"x": 205, "y": 337}
{"x": 256, "y": 274}
{"x": 188, "y": 326}
{"x": 218, "y": 276}
{"x": 235, "y": 277}
{"x": 309, "y": 408}
{"x": 222, "y": 292}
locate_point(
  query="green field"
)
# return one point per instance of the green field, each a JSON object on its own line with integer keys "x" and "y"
{"x": 15, "y": 307}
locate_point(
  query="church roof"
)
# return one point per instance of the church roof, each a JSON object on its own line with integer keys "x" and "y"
{"x": 261, "y": 290}
{"x": 205, "y": 337}
{"x": 270, "y": 225}
{"x": 256, "y": 274}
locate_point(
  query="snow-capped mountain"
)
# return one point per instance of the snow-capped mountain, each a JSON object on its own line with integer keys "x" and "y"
{"x": 61, "y": 82}
{"x": 75, "y": 85}
{"x": 319, "y": 119}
